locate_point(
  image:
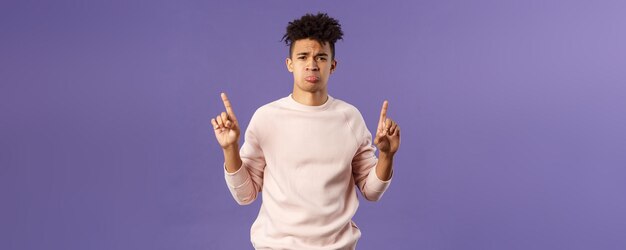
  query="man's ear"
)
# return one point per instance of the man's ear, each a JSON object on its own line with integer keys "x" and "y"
{"x": 333, "y": 66}
{"x": 289, "y": 64}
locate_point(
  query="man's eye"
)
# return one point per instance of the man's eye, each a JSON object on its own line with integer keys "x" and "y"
{"x": 301, "y": 57}
{"x": 322, "y": 58}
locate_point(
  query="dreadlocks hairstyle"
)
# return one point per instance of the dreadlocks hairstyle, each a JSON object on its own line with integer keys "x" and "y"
{"x": 320, "y": 27}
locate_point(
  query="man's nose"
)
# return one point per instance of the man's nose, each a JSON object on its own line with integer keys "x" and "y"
{"x": 311, "y": 65}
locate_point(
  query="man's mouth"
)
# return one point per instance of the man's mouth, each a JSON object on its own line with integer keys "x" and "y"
{"x": 312, "y": 79}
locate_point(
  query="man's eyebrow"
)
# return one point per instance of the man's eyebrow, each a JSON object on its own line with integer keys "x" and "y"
{"x": 307, "y": 53}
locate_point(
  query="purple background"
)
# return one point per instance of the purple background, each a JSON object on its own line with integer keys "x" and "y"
{"x": 513, "y": 117}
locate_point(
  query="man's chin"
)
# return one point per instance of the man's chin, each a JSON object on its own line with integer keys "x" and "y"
{"x": 312, "y": 86}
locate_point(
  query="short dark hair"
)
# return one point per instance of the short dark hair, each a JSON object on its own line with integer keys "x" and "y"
{"x": 320, "y": 27}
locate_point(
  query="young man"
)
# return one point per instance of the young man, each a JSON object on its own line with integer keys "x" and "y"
{"x": 306, "y": 152}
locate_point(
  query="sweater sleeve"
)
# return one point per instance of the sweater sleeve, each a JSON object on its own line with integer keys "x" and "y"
{"x": 245, "y": 183}
{"x": 364, "y": 164}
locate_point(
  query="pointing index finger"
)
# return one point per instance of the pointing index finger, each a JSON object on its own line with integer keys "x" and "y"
{"x": 383, "y": 115}
{"x": 229, "y": 107}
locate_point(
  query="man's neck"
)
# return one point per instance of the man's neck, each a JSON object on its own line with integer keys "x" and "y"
{"x": 310, "y": 98}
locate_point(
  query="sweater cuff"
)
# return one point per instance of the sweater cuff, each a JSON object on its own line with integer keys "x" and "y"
{"x": 376, "y": 184}
{"x": 237, "y": 178}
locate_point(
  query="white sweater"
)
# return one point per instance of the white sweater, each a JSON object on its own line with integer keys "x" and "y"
{"x": 306, "y": 161}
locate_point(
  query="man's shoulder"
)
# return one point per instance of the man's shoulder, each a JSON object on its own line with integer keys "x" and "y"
{"x": 268, "y": 110}
{"x": 272, "y": 106}
{"x": 346, "y": 107}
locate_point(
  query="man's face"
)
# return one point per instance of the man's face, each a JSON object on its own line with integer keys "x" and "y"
{"x": 311, "y": 65}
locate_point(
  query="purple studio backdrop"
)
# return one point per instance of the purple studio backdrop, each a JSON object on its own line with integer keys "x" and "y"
{"x": 513, "y": 117}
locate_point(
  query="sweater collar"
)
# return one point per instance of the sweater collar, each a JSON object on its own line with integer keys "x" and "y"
{"x": 291, "y": 103}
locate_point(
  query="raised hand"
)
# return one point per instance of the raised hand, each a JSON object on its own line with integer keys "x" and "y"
{"x": 388, "y": 133}
{"x": 226, "y": 126}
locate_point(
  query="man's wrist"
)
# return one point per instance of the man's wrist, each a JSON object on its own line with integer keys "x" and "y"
{"x": 234, "y": 146}
{"x": 383, "y": 155}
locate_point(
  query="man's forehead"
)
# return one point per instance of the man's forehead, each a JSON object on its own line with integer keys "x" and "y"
{"x": 310, "y": 45}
